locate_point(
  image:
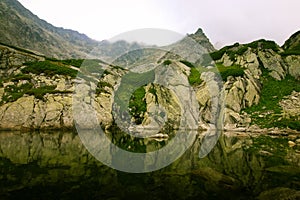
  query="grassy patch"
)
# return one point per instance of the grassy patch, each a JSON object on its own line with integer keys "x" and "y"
{"x": 194, "y": 77}
{"x": 13, "y": 93}
{"x": 187, "y": 63}
{"x": 137, "y": 105}
{"x": 131, "y": 90}
{"x": 73, "y": 62}
{"x": 101, "y": 87}
{"x": 21, "y": 77}
{"x": 268, "y": 112}
{"x": 49, "y": 68}
{"x": 233, "y": 71}
{"x": 41, "y": 91}
{"x": 263, "y": 44}
{"x": 240, "y": 49}
{"x": 167, "y": 62}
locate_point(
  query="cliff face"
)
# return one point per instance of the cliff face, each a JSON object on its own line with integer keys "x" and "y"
{"x": 252, "y": 84}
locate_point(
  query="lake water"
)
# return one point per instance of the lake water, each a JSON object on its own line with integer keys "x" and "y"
{"x": 56, "y": 165}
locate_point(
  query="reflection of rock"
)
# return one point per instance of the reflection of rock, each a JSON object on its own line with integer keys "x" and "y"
{"x": 30, "y": 160}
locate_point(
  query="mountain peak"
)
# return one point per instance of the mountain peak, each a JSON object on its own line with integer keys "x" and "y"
{"x": 199, "y": 32}
{"x": 200, "y": 37}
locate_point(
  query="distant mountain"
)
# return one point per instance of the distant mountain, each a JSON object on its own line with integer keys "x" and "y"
{"x": 20, "y": 27}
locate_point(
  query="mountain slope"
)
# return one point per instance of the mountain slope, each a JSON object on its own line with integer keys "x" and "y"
{"x": 20, "y": 27}
{"x": 292, "y": 45}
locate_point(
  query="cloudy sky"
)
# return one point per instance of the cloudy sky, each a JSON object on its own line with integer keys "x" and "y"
{"x": 223, "y": 21}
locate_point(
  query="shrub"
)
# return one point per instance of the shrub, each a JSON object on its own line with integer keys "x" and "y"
{"x": 263, "y": 44}
{"x": 21, "y": 77}
{"x": 73, "y": 62}
{"x": 187, "y": 63}
{"x": 101, "y": 87}
{"x": 234, "y": 71}
{"x": 167, "y": 62}
{"x": 41, "y": 91}
{"x": 48, "y": 68}
{"x": 194, "y": 77}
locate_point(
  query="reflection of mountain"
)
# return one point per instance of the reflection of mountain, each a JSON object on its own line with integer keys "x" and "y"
{"x": 50, "y": 165}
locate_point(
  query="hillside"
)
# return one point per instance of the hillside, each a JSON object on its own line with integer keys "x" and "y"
{"x": 254, "y": 85}
{"x": 21, "y": 28}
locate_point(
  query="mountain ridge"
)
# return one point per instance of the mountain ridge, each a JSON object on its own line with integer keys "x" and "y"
{"x": 21, "y": 28}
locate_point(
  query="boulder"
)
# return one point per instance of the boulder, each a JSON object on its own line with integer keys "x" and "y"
{"x": 274, "y": 63}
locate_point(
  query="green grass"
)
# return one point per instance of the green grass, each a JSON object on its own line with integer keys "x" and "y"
{"x": 137, "y": 105}
{"x": 19, "y": 77}
{"x": 194, "y": 77}
{"x": 74, "y": 62}
{"x": 41, "y": 91}
{"x": 131, "y": 90}
{"x": 101, "y": 87}
{"x": 167, "y": 62}
{"x": 233, "y": 71}
{"x": 272, "y": 92}
{"x": 13, "y": 93}
{"x": 49, "y": 68}
{"x": 239, "y": 49}
{"x": 264, "y": 44}
{"x": 187, "y": 63}
{"x": 293, "y": 51}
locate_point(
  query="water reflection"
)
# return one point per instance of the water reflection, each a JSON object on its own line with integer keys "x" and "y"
{"x": 56, "y": 165}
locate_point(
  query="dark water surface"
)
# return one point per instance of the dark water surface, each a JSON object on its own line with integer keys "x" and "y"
{"x": 56, "y": 165}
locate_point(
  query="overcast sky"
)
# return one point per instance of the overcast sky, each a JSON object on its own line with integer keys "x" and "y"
{"x": 223, "y": 21}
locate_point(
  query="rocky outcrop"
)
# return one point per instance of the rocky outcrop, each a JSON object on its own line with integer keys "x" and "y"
{"x": 291, "y": 105}
{"x": 11, "y": 59}
{"x": 293, "y": 63}
{"x": 27, "y": 112}
{"x": 47, "y": 102}
{"x": 273, "y": 63}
